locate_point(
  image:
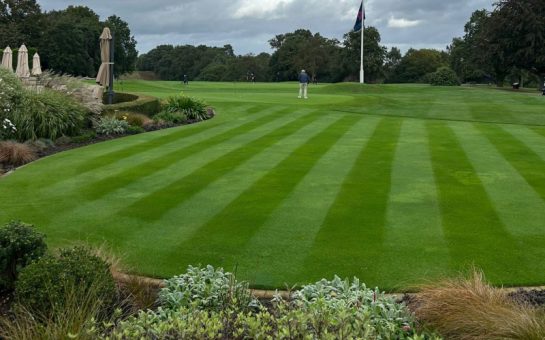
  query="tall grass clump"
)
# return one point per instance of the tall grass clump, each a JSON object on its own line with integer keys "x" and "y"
{"x": 191, "y": 108}
{"x": 16, "y": 154}
{"x": 11, "y": 92}
{"x": 469, "y": 308}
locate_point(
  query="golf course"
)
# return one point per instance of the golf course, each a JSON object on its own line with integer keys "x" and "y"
{"x": 394, "y": 184}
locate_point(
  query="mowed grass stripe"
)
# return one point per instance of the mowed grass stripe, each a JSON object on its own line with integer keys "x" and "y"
{"x": 147, "y": 153}
{"x": 351, "y": 238}
{"x": 518, "y": 205}
{"x": 177, "y": 191}
{"x": 95, "y": 156}
{"x": 531, "y": 137}
{"x": 529, "y": 164}
{"x": 226, "y": 235}
{"x": 413, "y": 218}
{"x": 135, "y": 167}
{"x": 182, "y": 222}
{"x": 133, "y": 186}
{"x": 288, "y": 234}
{"x": 474, "y": 233}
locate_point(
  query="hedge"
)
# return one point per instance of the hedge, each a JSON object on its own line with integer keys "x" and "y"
{"x": 31, "y": 51}
{"x": 133, "y": 103}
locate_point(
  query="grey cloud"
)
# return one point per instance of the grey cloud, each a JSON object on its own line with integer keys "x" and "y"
{"x": 214, "y": 22}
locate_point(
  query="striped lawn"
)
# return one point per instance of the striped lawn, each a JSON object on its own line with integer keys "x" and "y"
{"x": 394, "y": 184}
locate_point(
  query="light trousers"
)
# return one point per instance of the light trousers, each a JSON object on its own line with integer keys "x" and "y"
{"x": 303, "y": 90}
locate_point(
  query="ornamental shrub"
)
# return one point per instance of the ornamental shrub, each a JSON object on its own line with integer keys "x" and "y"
{"x": 11, "y": 91}
{"x": 205, "y": 288}
{"x": 170, "y": 117}
{"x": 444, "y": 76}
{"x": 111, "y": 126}
{"x": 16, "y": 154}
{"x": 20, "y": 244}
{"x": 192, "y": 108}
{"x": 42, "y": 286}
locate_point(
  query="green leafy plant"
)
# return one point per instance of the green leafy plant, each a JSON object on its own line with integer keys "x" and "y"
{"x": 43, "y": 285}
{"x": 444, "y": 76}
{"x": 192, "y": 108}
{"x": 20, "y": 244}
{"x": 111, "y": 126}
{"x": 170, "y": 117}
{"x": 205, "y": 288}
{"x": 84, "y": 137}
{"x": 11, "y": 92}
{"x": 134, "y": 130}
{"x": 16, "y": 154}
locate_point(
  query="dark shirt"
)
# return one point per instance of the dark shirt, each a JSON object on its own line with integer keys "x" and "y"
{"x": 304, "y": 78}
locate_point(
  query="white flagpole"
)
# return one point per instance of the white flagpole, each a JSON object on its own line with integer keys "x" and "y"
{"x": 362, "y": 72}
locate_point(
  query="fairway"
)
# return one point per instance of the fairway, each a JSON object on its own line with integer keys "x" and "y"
{"x": 393, "y": 184}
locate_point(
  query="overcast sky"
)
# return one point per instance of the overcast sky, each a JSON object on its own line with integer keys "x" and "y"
{"x": 248, "y": 24}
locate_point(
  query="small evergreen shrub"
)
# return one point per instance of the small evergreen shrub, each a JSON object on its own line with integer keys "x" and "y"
{"x": 192, "y": 108}
{"x": 205, "y": 288}
{"x": 16, "y": 154}
{"x": 134, "y": 130}
{"x": 134, "y": 119}
{"x": 444, "y": 76}
{"x": 84, "y": 137}
{"x": 42, "y": 285}
{"x": 111, "y": 126}
{"x": 11, "y": 92}
{"x": 20, "y": 244}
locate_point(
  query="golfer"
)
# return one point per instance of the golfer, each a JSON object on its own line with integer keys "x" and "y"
{"x": 303, "y": 84}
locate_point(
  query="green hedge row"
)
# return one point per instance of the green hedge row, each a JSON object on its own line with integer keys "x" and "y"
{"x": 31, "y": 51}
{"x": 132, "y": 103}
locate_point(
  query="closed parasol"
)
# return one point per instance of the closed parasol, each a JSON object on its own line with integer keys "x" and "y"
{"x": 103, "y": 75}
{"x": 22, "y": 63}
{"x": 36, "y": 65}
{"x": 7, "y": 59}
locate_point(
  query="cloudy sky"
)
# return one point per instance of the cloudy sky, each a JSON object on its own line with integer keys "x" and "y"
{"x": 248, "y": 24}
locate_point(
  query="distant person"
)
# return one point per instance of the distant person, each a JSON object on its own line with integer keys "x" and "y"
{"x": 253, "y": 78}
{"x": 304, "y": 79}
{"x": 186, "y": 79}
{"x": 315, "y": 80}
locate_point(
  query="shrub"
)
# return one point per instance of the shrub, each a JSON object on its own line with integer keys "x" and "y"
{"x": 205, "y": 288}
{"x": 84, "y": 137}
{"x": 16, "y": 154}
{"x": 7, "y": 129}
{"x": 40, "y": 145}
{"x": 444, "y": 76}
{"x": 111, "y": 126}
{"x": 46, "y": 115}
{"x": 146, "y": 105}
{"x": 43, "y": 285}
{"x": 170, "y": 117}
{"x": 20, "y": 244}
{"x": 11, "y": 91}
{"x": 193, "y": 109}
{"x": 134, "y": 119}
{"x": 134, "y": 130}
{"x": 334, "y": 309}
{"x": 468, "y": 308}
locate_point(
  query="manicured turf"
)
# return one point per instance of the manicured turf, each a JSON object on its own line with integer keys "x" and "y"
{"x": 393, "y": 184}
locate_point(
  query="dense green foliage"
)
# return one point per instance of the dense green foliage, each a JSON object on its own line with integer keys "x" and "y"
{"x": 111, "y": 126}
{"x": 67, "y": 40}
{"x": 191, "y": 108}
{"x": 42, "y": 285}
{"x": 206, "y": 303}
{"x": 20, "y": 244}
{"x": 444, "y": 76}
{"x": 143, "y": 104}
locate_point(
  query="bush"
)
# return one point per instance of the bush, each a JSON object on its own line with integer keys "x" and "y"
{"x": 43, "y": 285}
{"x": 111, "y": 126}
{"x": 170, "y": 117}
{"x": 46, "y": 115}
{"x": 444, "y": 76}
{"x": 16, "y": 154}
{"x": 468, "y": 308}
{"x": 84, "y": 137}
{"x": 134, "y": 119}
{"x": 11, "y": 91}
{"x": 146, "y": 105}
{"x": 334, "y": 309}
{"x": 134, "y": 130}
{"x": 205, "y": 288}
{"x": 193, "y": 109}
{"x": 20, "y": 244}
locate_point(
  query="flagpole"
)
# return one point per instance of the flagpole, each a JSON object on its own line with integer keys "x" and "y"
{"x": 362, "y": 72}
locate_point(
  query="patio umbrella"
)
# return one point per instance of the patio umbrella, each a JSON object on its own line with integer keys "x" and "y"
{"x": 22, "y": 63}
{"x": 36, "y": 65}
{"x": 7, "y": 59}
{"x": 103, "y": 75}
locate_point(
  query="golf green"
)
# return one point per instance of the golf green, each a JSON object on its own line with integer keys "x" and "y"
{"x": 394, "y": 184}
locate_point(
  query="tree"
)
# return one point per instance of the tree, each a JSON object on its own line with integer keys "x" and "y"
{"x": 373, "y": 57}
{"x": 20, "y": 22}
{"x": 391, "y": 61}
{"x": 125, "y": 53}
{"x": 416, "y": 64}
{"x": 70, "y": 42}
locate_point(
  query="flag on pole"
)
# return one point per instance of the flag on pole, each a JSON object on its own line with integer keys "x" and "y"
{"x": 360, "y": 18}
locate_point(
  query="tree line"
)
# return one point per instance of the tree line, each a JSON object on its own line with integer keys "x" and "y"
{"x": 66, "y": 40}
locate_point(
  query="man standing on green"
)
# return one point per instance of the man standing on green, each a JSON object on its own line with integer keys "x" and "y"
{"x": 304, "y": 79}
